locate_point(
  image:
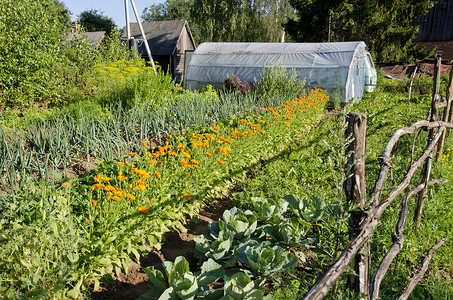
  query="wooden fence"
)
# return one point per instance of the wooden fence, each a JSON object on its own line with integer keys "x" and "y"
{"x": 364, "y": 222}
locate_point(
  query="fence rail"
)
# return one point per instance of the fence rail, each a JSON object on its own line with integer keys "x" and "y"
{"x": 364, "y": 222}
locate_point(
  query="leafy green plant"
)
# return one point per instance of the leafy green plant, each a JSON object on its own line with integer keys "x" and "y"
{"x": 239, "y": 286}
{"x": 266, "y": 260}
{"x": 181, "y": 283}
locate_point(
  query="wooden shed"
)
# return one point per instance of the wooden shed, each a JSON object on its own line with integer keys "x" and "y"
{"x": 95, "y": 37}
{"x": 168, "y": 41}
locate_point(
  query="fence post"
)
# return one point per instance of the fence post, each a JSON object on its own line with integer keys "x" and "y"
{"x": 426, "y": 171}
{"x": 355, "y": 189}
{"x": 446, "y": 115}
{"x": 414, "y": 73}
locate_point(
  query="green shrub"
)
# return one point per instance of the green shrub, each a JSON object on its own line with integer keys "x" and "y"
{"x": 276, "y": 80}
{"x": 29, "y": 42}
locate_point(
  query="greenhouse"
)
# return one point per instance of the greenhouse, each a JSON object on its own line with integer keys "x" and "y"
{"x": 338, "y": 68}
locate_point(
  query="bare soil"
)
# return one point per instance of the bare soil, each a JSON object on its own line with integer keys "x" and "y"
{"x": 134, "y": 283}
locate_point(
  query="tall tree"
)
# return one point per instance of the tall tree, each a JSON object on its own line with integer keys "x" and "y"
{"x": 94, "y": 20}
{"x": 170, "y": 10}
{"x": 241, "y": 20}
{"x": 226, "y": 20}
{"x": 387, "y": 26}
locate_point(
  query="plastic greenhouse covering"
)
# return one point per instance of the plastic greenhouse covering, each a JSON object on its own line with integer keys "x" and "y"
{"x": 335, "y": 67}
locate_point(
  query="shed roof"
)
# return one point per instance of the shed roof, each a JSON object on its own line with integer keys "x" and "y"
{"x": 162, "y": 36}
{"x": 437, "y": 24}
{"x": 95, "y": 37}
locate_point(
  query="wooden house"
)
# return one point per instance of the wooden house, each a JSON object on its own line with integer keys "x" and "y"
{"x": 95, "y": 37}
{"x": 168, "y": 42}
{"x": 436, "y": 28}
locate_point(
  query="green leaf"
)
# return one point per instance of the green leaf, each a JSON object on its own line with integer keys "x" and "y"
{"x": 210, "y": 272}
{"x": 157, "y": 279}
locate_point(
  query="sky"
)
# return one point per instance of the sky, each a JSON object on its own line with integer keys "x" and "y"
{"x": 114, "y": 9}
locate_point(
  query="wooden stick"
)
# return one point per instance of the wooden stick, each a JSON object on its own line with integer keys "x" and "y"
{"x": 445, "y": 115}
{"x": 398, "y": 240}
{"x": 377, "y": 208}
{"x": 418, "y": 274}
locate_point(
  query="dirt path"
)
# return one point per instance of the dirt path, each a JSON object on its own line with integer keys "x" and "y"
{"x": 135, "y": 282}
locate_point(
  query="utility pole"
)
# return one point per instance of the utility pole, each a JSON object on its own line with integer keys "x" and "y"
{"x": 145, "y": 40}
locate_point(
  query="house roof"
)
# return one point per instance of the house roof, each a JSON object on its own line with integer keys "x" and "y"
{"x": 437, "y": 24}
{"x": 95, "y": 37}
{"x": 163, "y": 36}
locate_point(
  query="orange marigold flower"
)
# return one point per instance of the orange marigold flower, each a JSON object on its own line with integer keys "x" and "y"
{"x": 113, "y": 198}
{"x": 155, "y": 155}
{"x": 65, "y": 184}
{"x": 98, "y": 178}
{"x": 152, "y": 162}
{"x": 97, "y": 185}
{"x": 173, "y": 153}
{"x": 139, "y": 182}
{"x": 187, "y": 196}
{"x": 120, "y": 164}
{"x": 109, "y": 188}
{"x": 151, "y": 202}
{"x": 105, "y": 178}
{"x": 157, "y": 174}
{"x": 187, "y": 155}
{"x": 121, "y": 177}
{"x": 143, "y": 209}
{"x": 286, "y": 148}
{"x": 220, "y": 161}
{"x": 196, "y": 167}
{"x": 149, "y": 154}
{"x": 94, "y": 202}
{"x": 208, "y": 154}
{"x": 144, "y": 143}
{"x": 144, "y": 174}
{"x": 183, "y": 162}
{"x": 132, "y": 154}
{"x": 130, "y": 196}
{"x": 194, "y": 161}
{"x": 181, "y": 147}
{"x": 141, "y": 187}
{"x": 119, "y": 192}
